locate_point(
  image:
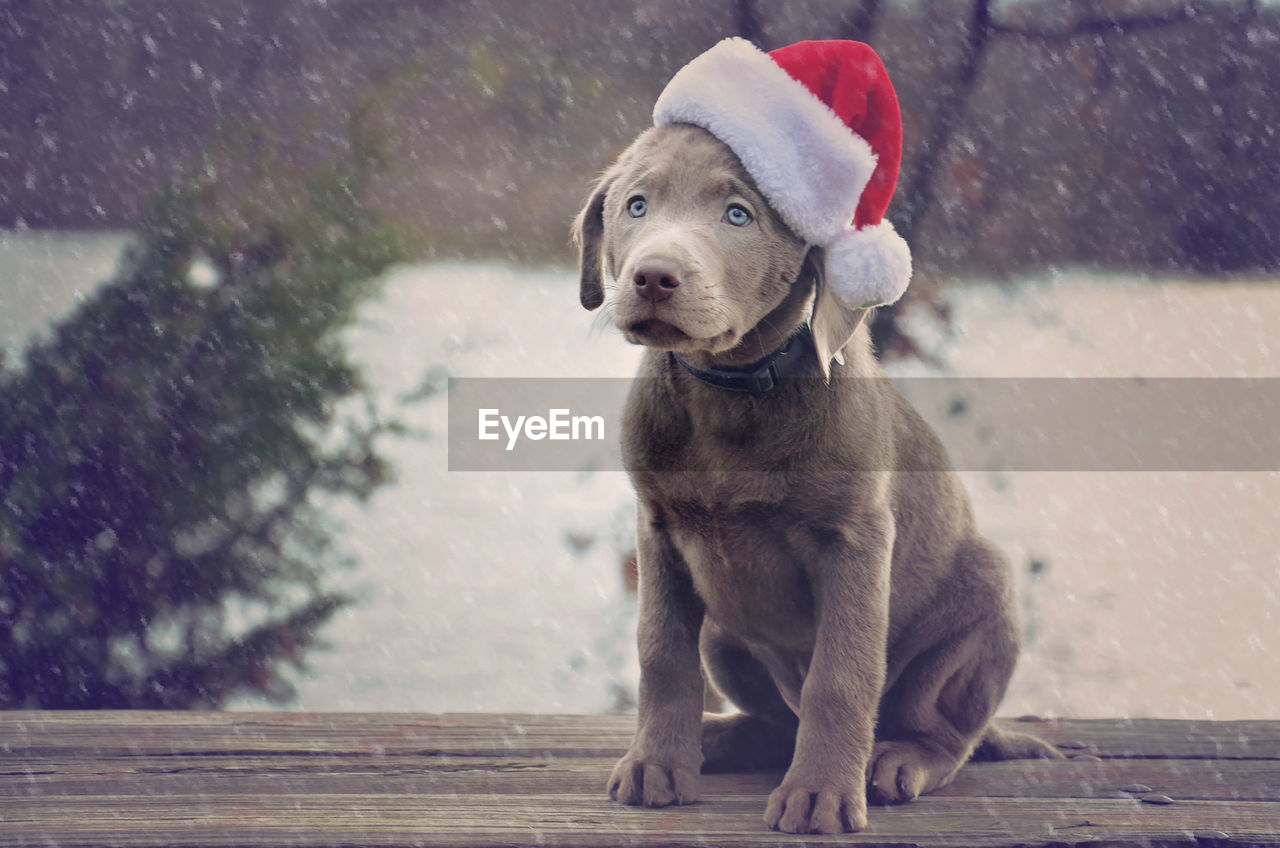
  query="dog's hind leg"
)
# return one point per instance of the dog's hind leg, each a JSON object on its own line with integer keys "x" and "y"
{"x": 937, "y": 711}
{"x": 932, "y": 717}
{"x": 999, "y": 744}
{"x": 762, "y": 736}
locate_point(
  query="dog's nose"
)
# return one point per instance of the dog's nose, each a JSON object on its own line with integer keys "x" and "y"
{"x": 657, "y": 279}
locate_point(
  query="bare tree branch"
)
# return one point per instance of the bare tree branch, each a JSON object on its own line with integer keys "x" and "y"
{"x": 920, "y": 193}
{"x": 951, "y": 103}
{"x": 862, "y": 20}
{"x": 922, "y": 188}
{"x": 1102, "y": 25}
{"x": 746, "y": 20}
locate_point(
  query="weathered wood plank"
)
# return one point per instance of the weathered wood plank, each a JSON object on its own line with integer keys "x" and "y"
{"x": 1206, "y": 780}
{"x": 574, "y": 821}
{"x": 30, "y": 733}
{"x": 234, "y": 779}
{"x": 172, "y": 733}
{"x": 1159, "y": 737}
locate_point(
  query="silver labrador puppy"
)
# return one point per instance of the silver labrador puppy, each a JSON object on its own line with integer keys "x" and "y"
{"x": 850, "y": 610}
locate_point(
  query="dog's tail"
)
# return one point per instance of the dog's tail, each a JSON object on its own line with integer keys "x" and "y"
{"x": 998, "y": 744}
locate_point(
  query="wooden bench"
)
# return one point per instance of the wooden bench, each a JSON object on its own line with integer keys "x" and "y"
{"x": 269, "y": 779}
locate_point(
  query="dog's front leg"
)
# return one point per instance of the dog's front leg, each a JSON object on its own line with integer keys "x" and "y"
{"x": 824, "y": 790}
{"x": 662, "y": 766}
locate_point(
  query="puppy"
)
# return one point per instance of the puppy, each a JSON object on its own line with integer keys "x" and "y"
{"x": 848, "y": 608}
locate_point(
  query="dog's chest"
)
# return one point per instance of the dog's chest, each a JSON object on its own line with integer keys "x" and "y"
{"x": 742, "y": 556}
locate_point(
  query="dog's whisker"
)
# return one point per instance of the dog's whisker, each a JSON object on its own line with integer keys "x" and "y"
{"x": 602, "y": 321}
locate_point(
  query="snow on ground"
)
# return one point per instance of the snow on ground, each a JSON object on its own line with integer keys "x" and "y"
{"x": 1143, "y": 594}
{"x": 491, "y": 591}
{"x": 43, "y": 274}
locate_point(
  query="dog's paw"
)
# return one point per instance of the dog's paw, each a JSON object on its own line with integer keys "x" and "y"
{"x": 903, "y": 771}
{"x": 639, "y": 780}
{"x": 797, "y": 808}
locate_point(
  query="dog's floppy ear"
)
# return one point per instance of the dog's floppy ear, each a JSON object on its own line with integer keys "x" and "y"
{"x": 832, "y": 323}
{"x": 588, "y": 234}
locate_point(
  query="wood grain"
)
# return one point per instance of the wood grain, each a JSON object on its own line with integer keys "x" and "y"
{"x": 280, "y": 779}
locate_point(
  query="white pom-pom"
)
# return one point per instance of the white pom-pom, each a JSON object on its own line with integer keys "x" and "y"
{"x": 868, "y": 267}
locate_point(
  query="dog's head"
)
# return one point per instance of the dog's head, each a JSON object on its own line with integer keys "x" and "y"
{"x": 702, "y": 261}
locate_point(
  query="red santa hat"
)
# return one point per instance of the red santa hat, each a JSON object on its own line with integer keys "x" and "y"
{"x": 817, "y": 126}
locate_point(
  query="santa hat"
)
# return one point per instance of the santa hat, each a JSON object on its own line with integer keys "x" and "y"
{"x": 817, "y": 126}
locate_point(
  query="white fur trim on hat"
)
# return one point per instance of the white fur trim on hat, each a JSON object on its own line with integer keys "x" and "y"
{"x": 868, "y": 267}
{"x": 808, "y": 163}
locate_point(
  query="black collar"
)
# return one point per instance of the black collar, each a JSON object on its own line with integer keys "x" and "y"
{"x": 760, "y": 377}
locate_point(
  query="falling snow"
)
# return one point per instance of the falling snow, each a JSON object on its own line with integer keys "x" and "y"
{"x": 1140, "y": 594}
{"x": 1144, "y": 594}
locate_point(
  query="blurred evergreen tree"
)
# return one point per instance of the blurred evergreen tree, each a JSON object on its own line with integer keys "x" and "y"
{"x": 167, "y": 456}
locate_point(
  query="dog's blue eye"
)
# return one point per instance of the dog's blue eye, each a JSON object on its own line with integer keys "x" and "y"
{"x": 737, "y": 216}
{"x": 637, "y": 207}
